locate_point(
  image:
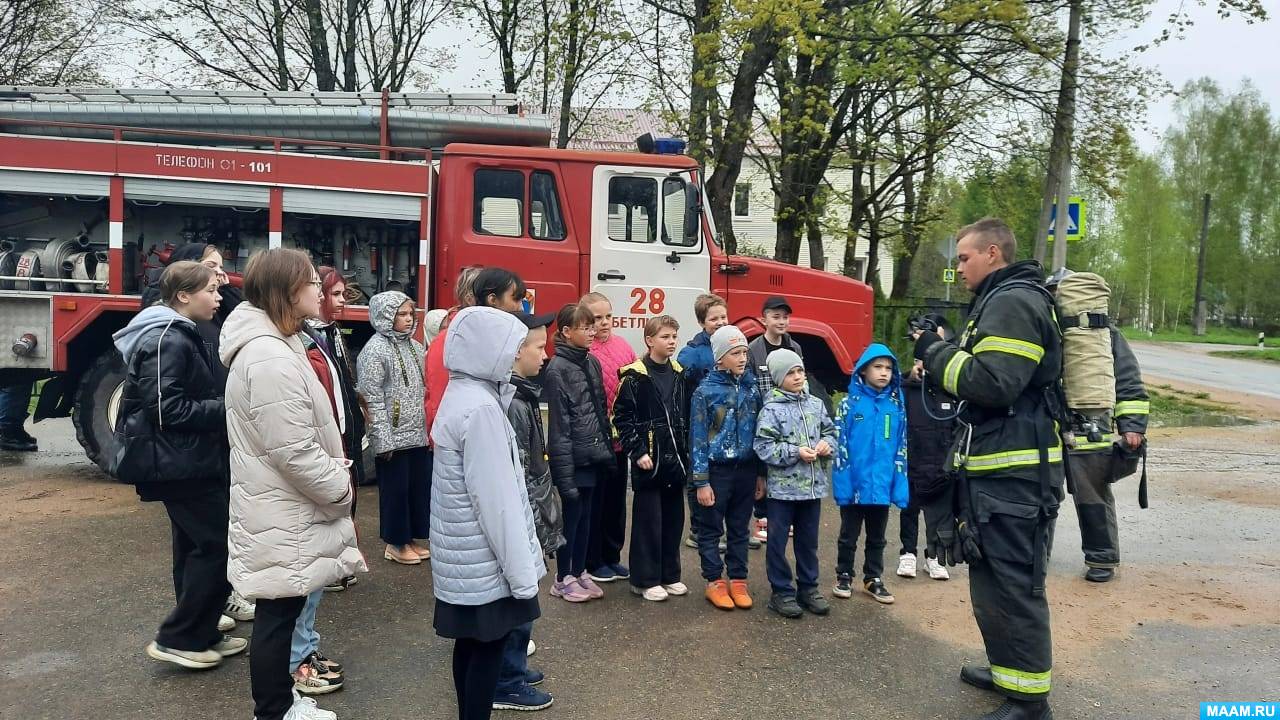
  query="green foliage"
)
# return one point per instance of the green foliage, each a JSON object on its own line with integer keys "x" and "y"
{"x": 1271, "y": 355}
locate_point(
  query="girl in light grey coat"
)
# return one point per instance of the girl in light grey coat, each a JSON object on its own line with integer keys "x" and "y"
{"x": 485, "y": 558}
{"x": 390, "y": 376}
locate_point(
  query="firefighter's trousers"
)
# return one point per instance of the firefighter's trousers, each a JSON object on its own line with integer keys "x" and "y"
{"x": 1096, "y": 507}
{"x": 1008, "y": 598}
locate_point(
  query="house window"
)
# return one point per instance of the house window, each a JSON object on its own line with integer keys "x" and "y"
{"x": 742, "y": 199}
{"x": 499, "y": 201}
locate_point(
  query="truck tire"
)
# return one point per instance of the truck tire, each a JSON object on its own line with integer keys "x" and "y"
{"x": 97, "y": 401}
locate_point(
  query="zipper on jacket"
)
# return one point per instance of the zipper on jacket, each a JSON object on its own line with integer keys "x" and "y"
{"x": 808, "y": 435}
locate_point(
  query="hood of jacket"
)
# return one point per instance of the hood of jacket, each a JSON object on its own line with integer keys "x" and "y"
{"x": 382, "y": 314}
{"x": 245, "y": 323}
{"x": 778, "y": 395}
{"x": 126, "y": 339}
{"x": 482, "y": 343}
{"x": 873, "y": 351}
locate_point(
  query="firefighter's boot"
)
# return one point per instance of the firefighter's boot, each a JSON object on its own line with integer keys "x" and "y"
{"x": 978, "y": 676}
{"x": 1019, "y": 710}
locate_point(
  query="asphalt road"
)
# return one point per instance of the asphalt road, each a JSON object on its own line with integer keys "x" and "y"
{"x": 84, "y": 580}
{"x": 1192, "y": 363}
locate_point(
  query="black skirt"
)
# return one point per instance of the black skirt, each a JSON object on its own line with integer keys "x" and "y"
{"x": 485, "y": 623}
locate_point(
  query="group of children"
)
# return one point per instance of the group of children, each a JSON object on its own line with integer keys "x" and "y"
{"x": 734, "y": 425}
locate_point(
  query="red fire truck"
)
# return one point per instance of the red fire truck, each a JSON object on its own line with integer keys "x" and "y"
{"x": 397, "y": 190}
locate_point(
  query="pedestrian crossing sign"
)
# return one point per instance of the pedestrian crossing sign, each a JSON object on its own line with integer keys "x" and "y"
{"x": 1076, "y": 210}
{"x": 948, "y": 275}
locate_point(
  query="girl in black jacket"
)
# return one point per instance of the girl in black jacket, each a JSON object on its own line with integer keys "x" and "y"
{"x": 172, "y": 438}
{"x": 579, "y": 446}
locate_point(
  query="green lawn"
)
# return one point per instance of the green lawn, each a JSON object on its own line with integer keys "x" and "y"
{"x": 1170, "y": 407}
{"x": 1213, "y": 336}
{"x": 1268, "y": 355}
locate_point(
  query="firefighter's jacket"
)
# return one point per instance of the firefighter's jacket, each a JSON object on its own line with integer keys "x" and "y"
{"x": 1009, "y": 354}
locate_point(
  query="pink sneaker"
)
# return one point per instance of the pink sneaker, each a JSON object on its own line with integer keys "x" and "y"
{"x": 590, "y": 587}
{"x": 569, "y": 589}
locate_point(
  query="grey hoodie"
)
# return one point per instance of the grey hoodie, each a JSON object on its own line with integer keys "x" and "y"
{"x": 389, "y": 374}
{"x": 483, "y": 543}
{"x": 126, "y": 339}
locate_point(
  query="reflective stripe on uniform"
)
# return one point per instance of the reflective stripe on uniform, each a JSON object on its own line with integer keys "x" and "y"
{"x": 1087, "y": 446}
{"x": 1028, "y": 683}
{"x": 1009, "y": 459}
{"x": 1133, "y": 407}
{"x": 1012, "y": 346}
{"x": 951, "y": 373}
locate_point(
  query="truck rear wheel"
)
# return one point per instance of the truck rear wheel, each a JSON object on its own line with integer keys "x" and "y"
{"x": 97, "y": 404}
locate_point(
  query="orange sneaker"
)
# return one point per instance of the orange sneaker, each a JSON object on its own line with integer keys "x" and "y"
{"x": 718, "y": 594}
{"x": 738, "y": 592}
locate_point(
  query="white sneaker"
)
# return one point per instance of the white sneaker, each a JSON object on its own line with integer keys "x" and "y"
{"x": 936, "y": 570}
{"x": 230, "y": 645}
{"x": 762, "y": 530}
{"x": 304, "y": 708}
{"x": 239, "y": 608}
{"x": 533, "y": 648}
{"x": 654, "y": 594}
{"x": 226, "y": 624}
{"x": 907, "y": 565}
{"x": 676, "y": 588}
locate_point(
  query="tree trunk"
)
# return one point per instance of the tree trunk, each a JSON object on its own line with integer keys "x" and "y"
{"x": 706, "y": 29}
{"x": 350, "y": 77}
{"x": 318, "y": 39}
{"x": 817, "y": 251}
{"x": 1063, "y": 127}
{"x": 573, "y": 21}
{"x": 759, "y": 49}
{"x": 278, "y": 47}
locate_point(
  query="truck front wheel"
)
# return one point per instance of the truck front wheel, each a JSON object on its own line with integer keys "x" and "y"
{"x": 97, "y": 404}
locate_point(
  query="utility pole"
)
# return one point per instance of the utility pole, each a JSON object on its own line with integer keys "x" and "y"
{"x": 1063, "y": 220}
{"x": 1201, "y": 307}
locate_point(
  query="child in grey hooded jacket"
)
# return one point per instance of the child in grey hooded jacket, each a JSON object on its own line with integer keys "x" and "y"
{"x": 796, "y": 439}
{"x": 390, "y": 377}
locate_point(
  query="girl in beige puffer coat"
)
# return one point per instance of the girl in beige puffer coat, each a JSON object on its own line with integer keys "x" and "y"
{"x": 290, "y": 529}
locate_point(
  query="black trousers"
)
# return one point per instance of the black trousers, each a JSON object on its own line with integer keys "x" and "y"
{"x": 571, "y": 557}
{"x": 404, "y": 496}
{"x": 1096, "y": 508}
{"x": 1012, "y": 615}
{"x": 909, "y": 528}
{"x": 735, "y": 490}
{"x": 804, "y": 516}
{"x": 198, "y": 526}
{"x": 609, "y": 515}
{"x": 476, "y": 666}
{"x": 852, "y": 518}
{"x": 269, "y": 675}
{"x": 657, "y": 521}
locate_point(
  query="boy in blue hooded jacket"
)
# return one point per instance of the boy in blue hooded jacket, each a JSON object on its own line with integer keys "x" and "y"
{"x": 871, "y": 467}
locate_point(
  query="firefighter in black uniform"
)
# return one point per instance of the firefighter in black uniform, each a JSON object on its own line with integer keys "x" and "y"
{"x": 1008, "y": 463}
{"x": 1090, "y": 455}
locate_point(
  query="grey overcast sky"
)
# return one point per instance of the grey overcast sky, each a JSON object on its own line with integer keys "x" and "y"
{"x": 1228, "y": 51}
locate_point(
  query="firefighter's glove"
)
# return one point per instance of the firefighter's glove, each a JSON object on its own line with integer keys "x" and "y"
{"x": 924, "y": 341}
{"x": 940, "y": 528}
{"x": 968, "y": 542}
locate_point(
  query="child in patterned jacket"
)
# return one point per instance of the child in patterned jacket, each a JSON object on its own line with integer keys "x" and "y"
{"x": 796, "y": 439}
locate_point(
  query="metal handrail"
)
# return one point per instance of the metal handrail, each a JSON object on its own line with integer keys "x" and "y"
{"x": 256, "y": 97}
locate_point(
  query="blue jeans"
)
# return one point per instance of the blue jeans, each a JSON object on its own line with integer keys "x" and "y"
{"x": 515, "y": 659}
{"x": 305, "y": 638}
{"x": 735, "y": 490}
{"x": 15, "y": 398}
{"x": 804, "y": 516}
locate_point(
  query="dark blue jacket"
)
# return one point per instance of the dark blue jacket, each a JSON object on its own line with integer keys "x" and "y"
{"x": 871, "y": 452}
{"x": 722, "y": 423}
{"x": 697, "y": 361}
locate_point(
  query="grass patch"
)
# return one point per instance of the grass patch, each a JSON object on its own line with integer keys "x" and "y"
{"x": 1271, "y": 355}
{"x": 1175, "y": 408}
{"x": 1212, "y": 336}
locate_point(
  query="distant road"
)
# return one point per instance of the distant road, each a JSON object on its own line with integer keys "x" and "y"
{"x": 1191, "y": 363}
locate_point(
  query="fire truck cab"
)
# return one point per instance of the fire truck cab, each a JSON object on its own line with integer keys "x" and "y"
{"x": 397, "y": 191}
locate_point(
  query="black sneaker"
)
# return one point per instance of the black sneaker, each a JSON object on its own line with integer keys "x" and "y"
{"x": 785, "y": 605}
{"x": 341, "y": 584}
{"x": 526, "y": 698}
{"x": 332, "y": 666}
{"x": 1017, "y": 710}
{"x": 1099, "y": 575}
{"x": 813, "y": 601}
{"x": 876, "y": 589}
{"x": 844, "y": 587}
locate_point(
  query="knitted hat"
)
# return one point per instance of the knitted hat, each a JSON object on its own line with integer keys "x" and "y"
{"x": 780, "y": 363}
{"x": 726, "y": 339}
{"x": 431, "y": 325}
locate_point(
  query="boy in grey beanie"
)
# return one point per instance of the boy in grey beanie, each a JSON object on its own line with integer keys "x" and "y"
{"x": 725, "y": 339}
{"x": 796, "y": 439}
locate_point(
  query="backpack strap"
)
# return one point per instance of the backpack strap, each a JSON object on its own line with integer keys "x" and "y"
{"x": 1088, "y": 320}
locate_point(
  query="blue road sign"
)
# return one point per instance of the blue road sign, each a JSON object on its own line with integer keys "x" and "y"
{"x": 1077, "y": 209}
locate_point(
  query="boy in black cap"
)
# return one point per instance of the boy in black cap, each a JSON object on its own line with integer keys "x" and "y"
{"x": 516, "y": 680}
{"x": 776, "y": 318}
